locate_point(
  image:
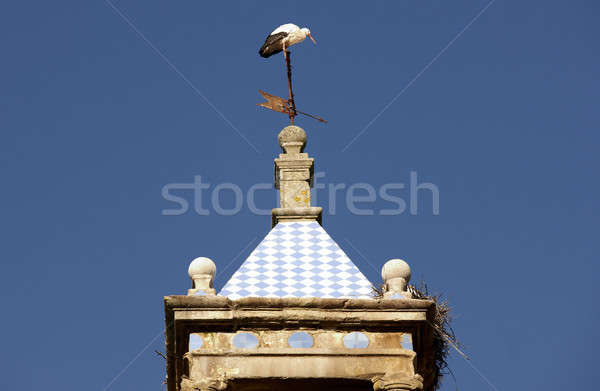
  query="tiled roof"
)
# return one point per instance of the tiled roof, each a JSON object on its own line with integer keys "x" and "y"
{"x": 298, "y": 259}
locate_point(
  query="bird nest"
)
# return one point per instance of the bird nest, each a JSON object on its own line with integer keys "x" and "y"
{"x": 444, "y": 338}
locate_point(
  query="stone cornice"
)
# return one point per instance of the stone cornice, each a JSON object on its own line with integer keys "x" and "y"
{"x": 191, "y": 302}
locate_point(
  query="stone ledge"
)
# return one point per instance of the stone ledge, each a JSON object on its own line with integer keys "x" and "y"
{"x": 305, "y": 317}
{"x": 302, "y": 365}
{"x": 313, "y": 213}
{"x": 221, "y": 302}
{"x": 291, "y": 352}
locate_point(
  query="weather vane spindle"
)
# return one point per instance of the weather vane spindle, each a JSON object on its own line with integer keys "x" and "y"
{"x": 279, "y": 40}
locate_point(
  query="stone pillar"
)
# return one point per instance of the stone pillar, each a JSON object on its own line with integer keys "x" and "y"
{"x": 294, "y": 172}
{"x": 398, "y": 382}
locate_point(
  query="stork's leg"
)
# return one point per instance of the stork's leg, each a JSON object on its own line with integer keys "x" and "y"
{"x": 290, "y": 106}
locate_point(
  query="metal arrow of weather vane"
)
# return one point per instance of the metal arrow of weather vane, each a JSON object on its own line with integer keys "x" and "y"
{"x": 280, "y": 40}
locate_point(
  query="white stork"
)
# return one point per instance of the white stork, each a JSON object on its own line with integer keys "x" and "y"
{"x": 282, "y": 38}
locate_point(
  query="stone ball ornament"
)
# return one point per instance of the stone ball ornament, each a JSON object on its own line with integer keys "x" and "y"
{"x": 395, "y": 268}
{"x": 202, "y": 265}
{"x": 292, "y": 139}
{"x": 396, "y": 275}
{"x": 202, "y": 271}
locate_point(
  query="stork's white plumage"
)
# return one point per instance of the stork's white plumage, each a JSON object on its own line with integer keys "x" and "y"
{"x": 282, "y": 38}
{"x": 285, "y": 28}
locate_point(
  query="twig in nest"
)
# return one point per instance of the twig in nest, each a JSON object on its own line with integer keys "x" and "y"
{"x": 443, "y": 337}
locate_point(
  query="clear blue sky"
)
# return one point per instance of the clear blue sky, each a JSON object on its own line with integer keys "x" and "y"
{"x": 94, "y": 123}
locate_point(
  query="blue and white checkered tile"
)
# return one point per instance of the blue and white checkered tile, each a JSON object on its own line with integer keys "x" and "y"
{"x": 298, "y": 259}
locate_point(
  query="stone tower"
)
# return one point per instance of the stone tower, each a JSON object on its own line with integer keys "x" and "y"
{"x": 298, "y": 314}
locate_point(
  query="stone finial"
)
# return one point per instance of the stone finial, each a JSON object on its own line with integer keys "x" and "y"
{"x": 294, "y": 172}
{"x": 202, "y": 272}
{"x": 396, "y": 275}
{"x": 292, "y": 139}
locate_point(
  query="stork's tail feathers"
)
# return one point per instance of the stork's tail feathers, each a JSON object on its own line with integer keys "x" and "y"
{"x": 273, "y": 44}
{"x": 267, "y": 51}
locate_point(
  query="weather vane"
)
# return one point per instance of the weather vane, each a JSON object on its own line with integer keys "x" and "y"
{"x": 280, "y": 40}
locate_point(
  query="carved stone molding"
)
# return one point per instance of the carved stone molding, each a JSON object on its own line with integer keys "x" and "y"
{"x": 398, "y": 382}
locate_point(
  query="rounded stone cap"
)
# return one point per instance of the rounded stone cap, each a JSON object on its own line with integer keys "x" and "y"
{"x": 202, "y": 265}
{"x": 292, "y": 139}
{"x": 395, "y": 268}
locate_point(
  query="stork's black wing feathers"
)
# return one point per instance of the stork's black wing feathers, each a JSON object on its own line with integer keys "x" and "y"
{"x": 273, "y": 44}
